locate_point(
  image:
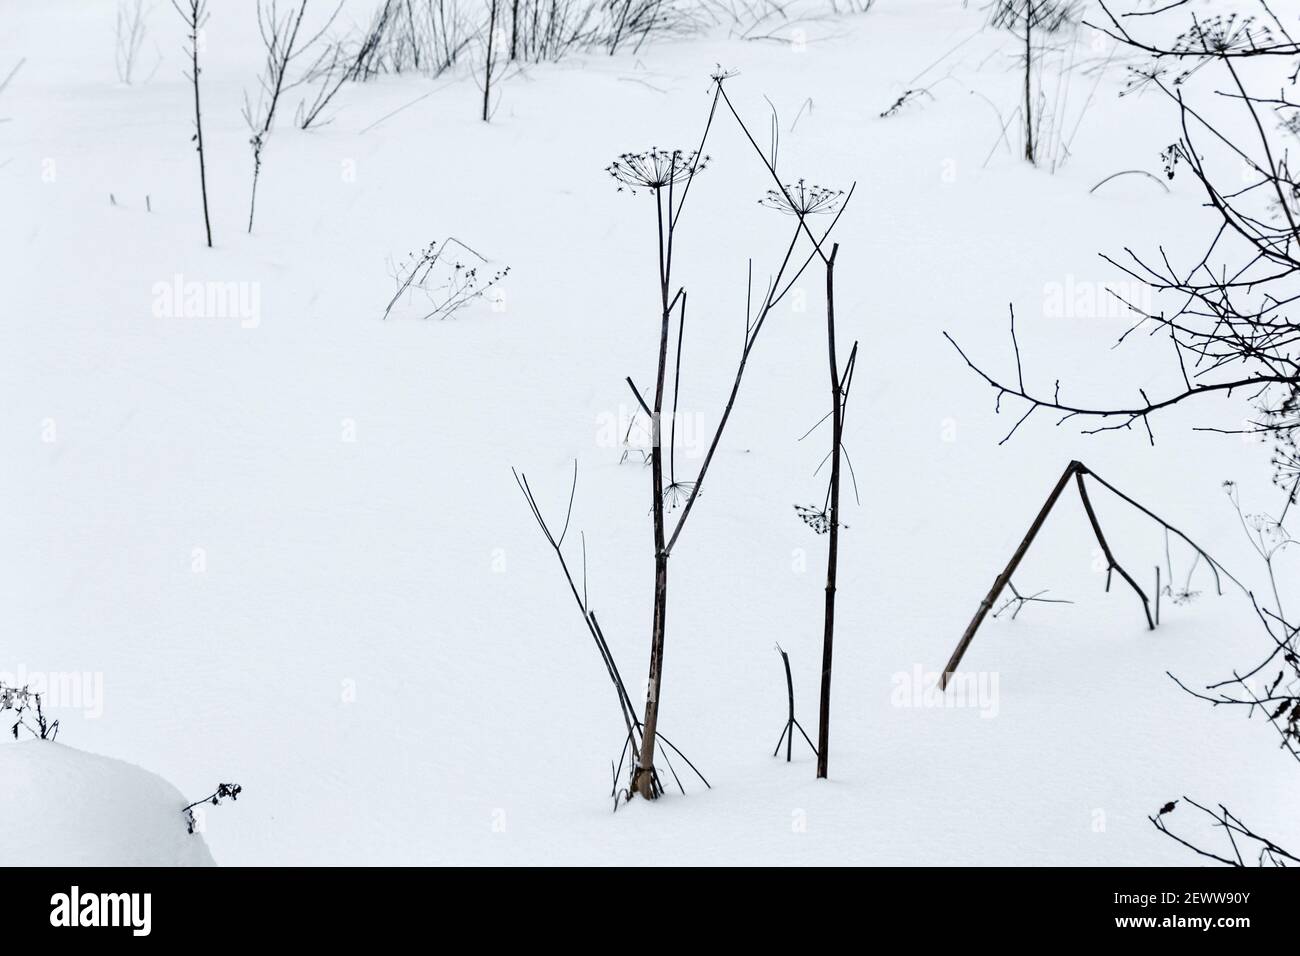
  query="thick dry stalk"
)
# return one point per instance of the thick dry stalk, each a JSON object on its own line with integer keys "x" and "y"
{"x": 791, "y": 723}
{"x": 987, "y": 604}
{"x": 1111, "y": 563}
{"x": 194, "y": 14}
{"x": 1078, "y": 471}
{"x": 643, "y": 777}
{"x": 832, "y": 555}
{"x": 1029, "y": 64}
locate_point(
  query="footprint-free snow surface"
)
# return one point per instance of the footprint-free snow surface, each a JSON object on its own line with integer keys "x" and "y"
{"x": 67, "y": 807}
{"x": 288, "y": 542}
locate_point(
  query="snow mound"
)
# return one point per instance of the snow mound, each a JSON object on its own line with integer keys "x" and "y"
{"x": 65, "y": 807}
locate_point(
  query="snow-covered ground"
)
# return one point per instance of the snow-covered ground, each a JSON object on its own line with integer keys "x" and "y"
{"x": 65, "y": 806}
{"x": 289, "y": 544}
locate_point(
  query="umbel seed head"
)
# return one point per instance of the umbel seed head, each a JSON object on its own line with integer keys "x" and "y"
{"x": 816, "y": 518}
{"x": 803, "y": 199}
{"x": 655, "y": 168}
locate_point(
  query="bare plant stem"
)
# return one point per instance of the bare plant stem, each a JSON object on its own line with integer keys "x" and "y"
{"x": 488, "y": 63}
{"x": 194, "y": 16}
{"x": 1111, "y": 563}
{"x": 832, "y": 555}
{"x": 1078, "y": 471}
{"x": 791, "y": 723}
{"x": 642, "y": 778}
{"x": 1029, "y": 66}
{"x": 279, "y": 52}
{"x": 1001, "y": 582}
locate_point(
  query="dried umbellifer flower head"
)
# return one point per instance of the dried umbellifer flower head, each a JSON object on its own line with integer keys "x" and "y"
{"x": 655, "y": 168}
{"x": 802, "y": 199}
{"x": 1284, "y": 421}
{"x": 815, "y": 518}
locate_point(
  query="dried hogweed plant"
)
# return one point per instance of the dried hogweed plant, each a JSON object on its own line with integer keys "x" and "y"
{"x": 802, "y": 202}
{"x": 447, "y": 275}
{"x": 802, "y": 199}
{"x": 28, "y": 712}
{"x": 223, "y": 791}
{"x": 655, "y": 169}
{"x": 661, "y": 174}
{"x": 667, "y": 176}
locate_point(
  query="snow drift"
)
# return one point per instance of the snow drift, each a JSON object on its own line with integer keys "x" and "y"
{"x": 66, "y": 807}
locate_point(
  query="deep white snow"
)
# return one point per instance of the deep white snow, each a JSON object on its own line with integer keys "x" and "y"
{"x": 291, "y": 545}
{"x": 67, "y": 807}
